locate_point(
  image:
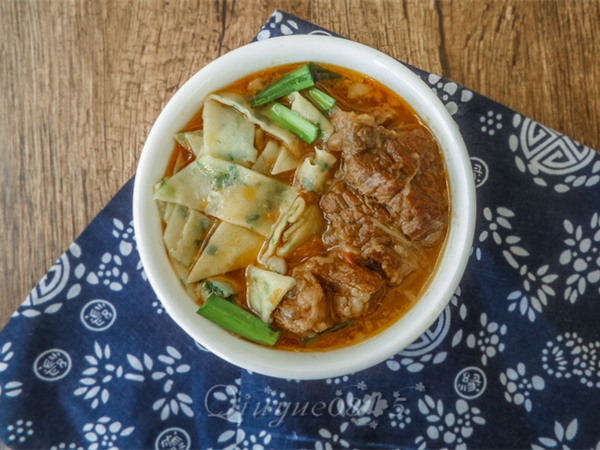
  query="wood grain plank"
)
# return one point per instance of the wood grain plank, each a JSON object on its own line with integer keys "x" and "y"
{"x": 85, "y": 89}
{"x": 535, "y": 57}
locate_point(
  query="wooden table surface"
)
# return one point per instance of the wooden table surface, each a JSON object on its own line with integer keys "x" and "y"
{"x": 83, "y": 81}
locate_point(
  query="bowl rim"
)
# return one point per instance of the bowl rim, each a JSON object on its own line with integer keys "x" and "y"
{"x": 306, "y": 365}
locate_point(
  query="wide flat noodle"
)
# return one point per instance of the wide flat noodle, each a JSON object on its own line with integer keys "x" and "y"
{"x": 266, "y": 289}
{"x": 291, "y": 215}
{"x": 194, "y": 231}
{"x": 196, "y": 141}
{"x": 229, "y": 248}
{"x": 313, "y": 172}
{"x": 243, "y": 106}
{"x": 244, "y": 197}
{"x": 230, "y": 192}
{"x": 296, "y": 226}
{"x": 188, "y": 187}
{"x": 181, "y": 140}
{"x": 267, "y": 158}
{"x": 162, "y": 209}
{"x": 286, "y": 161}
{"x": 310, "y": 224}
{"x": 168, "y": 210}
{"x": 227, "y": 134}
{"x": 175, "y": 226}
{"x": 182, "y": 273}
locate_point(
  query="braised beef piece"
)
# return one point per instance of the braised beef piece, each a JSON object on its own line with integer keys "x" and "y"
{"x": 305, "y": 310}
{"x": 358, "y": 132}
{"x": 397, "y": 168}
{"x": 334, "y": 268}
{"x": 308, "y": 310}
{"x": 393, "y": 260}
{"x": 353, "y": 286}
{"x": 422, "y": 218}
{"x": 354, "y": 134}
{"x": 351, "y": 217}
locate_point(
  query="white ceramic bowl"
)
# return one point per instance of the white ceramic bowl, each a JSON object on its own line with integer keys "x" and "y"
{"x": 252, "y": 58}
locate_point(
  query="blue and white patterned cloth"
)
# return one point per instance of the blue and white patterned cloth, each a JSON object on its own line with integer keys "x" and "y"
{"x": 90, "y": 360}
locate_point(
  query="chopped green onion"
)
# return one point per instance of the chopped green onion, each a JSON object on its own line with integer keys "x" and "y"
{"x": 212, "y": 289}
{"x": 320, "y": 73}
{"x": 295, "y": 81}
{"x": 291, "y": 121}
{"x": 323, "y": 101}
{"x": 238, "y": 321}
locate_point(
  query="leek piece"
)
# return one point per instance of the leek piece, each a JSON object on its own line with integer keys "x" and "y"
{"x": 291, "y": 121}
{"x": 295, "y": 81}
{"x": 238, "y": 321}
{"x": 323, "y": 101}
{"x": 320, "y": 73}
{"x": 308, "y": 111}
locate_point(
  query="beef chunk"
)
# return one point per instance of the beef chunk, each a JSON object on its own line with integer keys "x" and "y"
{"x": 383, "y": 251}
{"x": 306, "y": 311}
{"x": 397, "y": 168}
{"x": 354, "y": 133}
{"x": 375, "y": 175}
{"x": 309, "y": 308}
{"x": 336, "y": 269}
{"x": 349, "y": 302}
{"x": 421, "y": 216}
{"x": 350, "y": 215}
{"x": 394, "y": 187}
{"x": 353, "y": 286}
{"x": 422, "y": 206}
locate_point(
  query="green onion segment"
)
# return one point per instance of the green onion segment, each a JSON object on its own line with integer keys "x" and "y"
{"x": 238, "y": 321}
{"x": 323, "y": 101}
{"x": 320, "y": 73}
{"x": 295, "y": 81}
{"x": 291, "y": 121}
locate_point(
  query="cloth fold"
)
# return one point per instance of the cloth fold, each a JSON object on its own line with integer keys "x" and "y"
{"x": 91, "y": 360}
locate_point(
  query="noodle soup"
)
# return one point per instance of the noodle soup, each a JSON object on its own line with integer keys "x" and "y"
{"x": 310, "y": 221}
